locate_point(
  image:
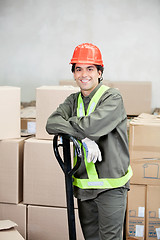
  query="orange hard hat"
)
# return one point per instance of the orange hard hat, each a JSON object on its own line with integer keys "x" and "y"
{"x": 87, "y": 53}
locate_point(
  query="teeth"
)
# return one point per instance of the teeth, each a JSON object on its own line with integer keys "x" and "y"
{"x": 84, "y": 80}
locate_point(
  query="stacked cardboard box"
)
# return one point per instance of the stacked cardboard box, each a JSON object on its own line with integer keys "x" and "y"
{"x": 48, "y": 99}
{"x": 44, "y": 185}
{"x": 144, "y": 146}
{"x": 11, "y": 170}
{"x": 136, "y": 212}
{"x": 11, "y": 163}
{"x": 50, "y": 223}
{"x": 10, "y": 112}
{"x": 137, "y": 103}
{"x": 43, "y": 177}
{"x": 16, "y": 213}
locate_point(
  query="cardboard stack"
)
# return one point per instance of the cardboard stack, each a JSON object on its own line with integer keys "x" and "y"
{"x": 31, "y": 180}
{"x": 11, "y": 164}
{"x": 44, "y": 184}
{"x": 144, "y": 146}
{"x": 32, "y": 183}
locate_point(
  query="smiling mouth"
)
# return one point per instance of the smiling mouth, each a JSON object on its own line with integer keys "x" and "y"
{"x": 85, "y": 80}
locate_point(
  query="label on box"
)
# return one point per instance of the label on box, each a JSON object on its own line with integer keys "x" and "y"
{"x": 158, "y": 233}
{"x": 141, "y": 211}
{"x": 139, "y": 231}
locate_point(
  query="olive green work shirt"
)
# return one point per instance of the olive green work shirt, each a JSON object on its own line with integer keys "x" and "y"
{"x": 107, "y": 126}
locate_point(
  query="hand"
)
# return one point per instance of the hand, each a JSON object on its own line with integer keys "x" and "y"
{"x": 92, "y": 151}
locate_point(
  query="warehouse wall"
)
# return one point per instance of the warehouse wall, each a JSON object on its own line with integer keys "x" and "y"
{"x": 37, "y": 39}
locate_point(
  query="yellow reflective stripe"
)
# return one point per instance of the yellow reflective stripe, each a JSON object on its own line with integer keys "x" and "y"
{"x": 102, "y": 183}
{"x": 80, "y": 107}
{"x": 93, "y": 102}
{"x": 96, "y": 98}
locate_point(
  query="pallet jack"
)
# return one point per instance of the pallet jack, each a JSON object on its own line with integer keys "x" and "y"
{"x": 66, "y": 166}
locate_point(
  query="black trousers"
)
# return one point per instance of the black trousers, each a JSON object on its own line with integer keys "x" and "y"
{"x": 102, "y": 218}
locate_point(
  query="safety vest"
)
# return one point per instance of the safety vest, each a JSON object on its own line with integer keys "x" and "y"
{"x": 93, "y": 181}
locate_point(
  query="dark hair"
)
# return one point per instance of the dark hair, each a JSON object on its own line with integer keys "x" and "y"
{"x": 99, "y": 68}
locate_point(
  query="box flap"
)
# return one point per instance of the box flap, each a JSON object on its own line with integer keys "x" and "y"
{"x": 8, "y": 231}
{"x": 7, "y": 224}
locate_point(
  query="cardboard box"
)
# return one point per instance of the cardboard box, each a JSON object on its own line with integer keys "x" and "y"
{"x": 16, "y": 213}
{"x": 147, "y": 117}
{"x": 144, "y": 148}
{"x": 144, "y": 139}
{"x": 136, "y": 212}
{"x": 10, "y": 112}
{"x": 44, "y": 182}
{"x": 8, "y": 231}
{"x": 11, "y": 170}
{"x": 146, "y": 171}
{"x": 153, "y": 213}
{"x": 50, "y": 223}
{"x": 137, "y": 96}
{"x": 48, "y": 99}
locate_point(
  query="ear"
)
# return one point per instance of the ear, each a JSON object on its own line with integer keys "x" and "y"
{"x": 100, "y": 73}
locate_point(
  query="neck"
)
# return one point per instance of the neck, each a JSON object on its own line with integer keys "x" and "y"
{"x": 86, "y": 93}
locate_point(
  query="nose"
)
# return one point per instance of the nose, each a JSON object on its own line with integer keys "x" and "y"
{"x": 84, "y": 73}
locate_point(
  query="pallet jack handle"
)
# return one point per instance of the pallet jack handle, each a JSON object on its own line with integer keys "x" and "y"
{"x": 66, "y": 166}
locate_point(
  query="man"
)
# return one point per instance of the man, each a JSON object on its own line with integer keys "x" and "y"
{"x": 97, "y": 117}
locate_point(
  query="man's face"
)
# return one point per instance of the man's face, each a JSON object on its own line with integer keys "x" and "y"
{"x": 86, "y": 77}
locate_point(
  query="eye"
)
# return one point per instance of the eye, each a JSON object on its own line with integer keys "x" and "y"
{"x": 78, "y": 69}
{"x": 90, "y": 69}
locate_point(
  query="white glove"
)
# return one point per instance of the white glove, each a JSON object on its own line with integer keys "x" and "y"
{"x": 92, "y": 150}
